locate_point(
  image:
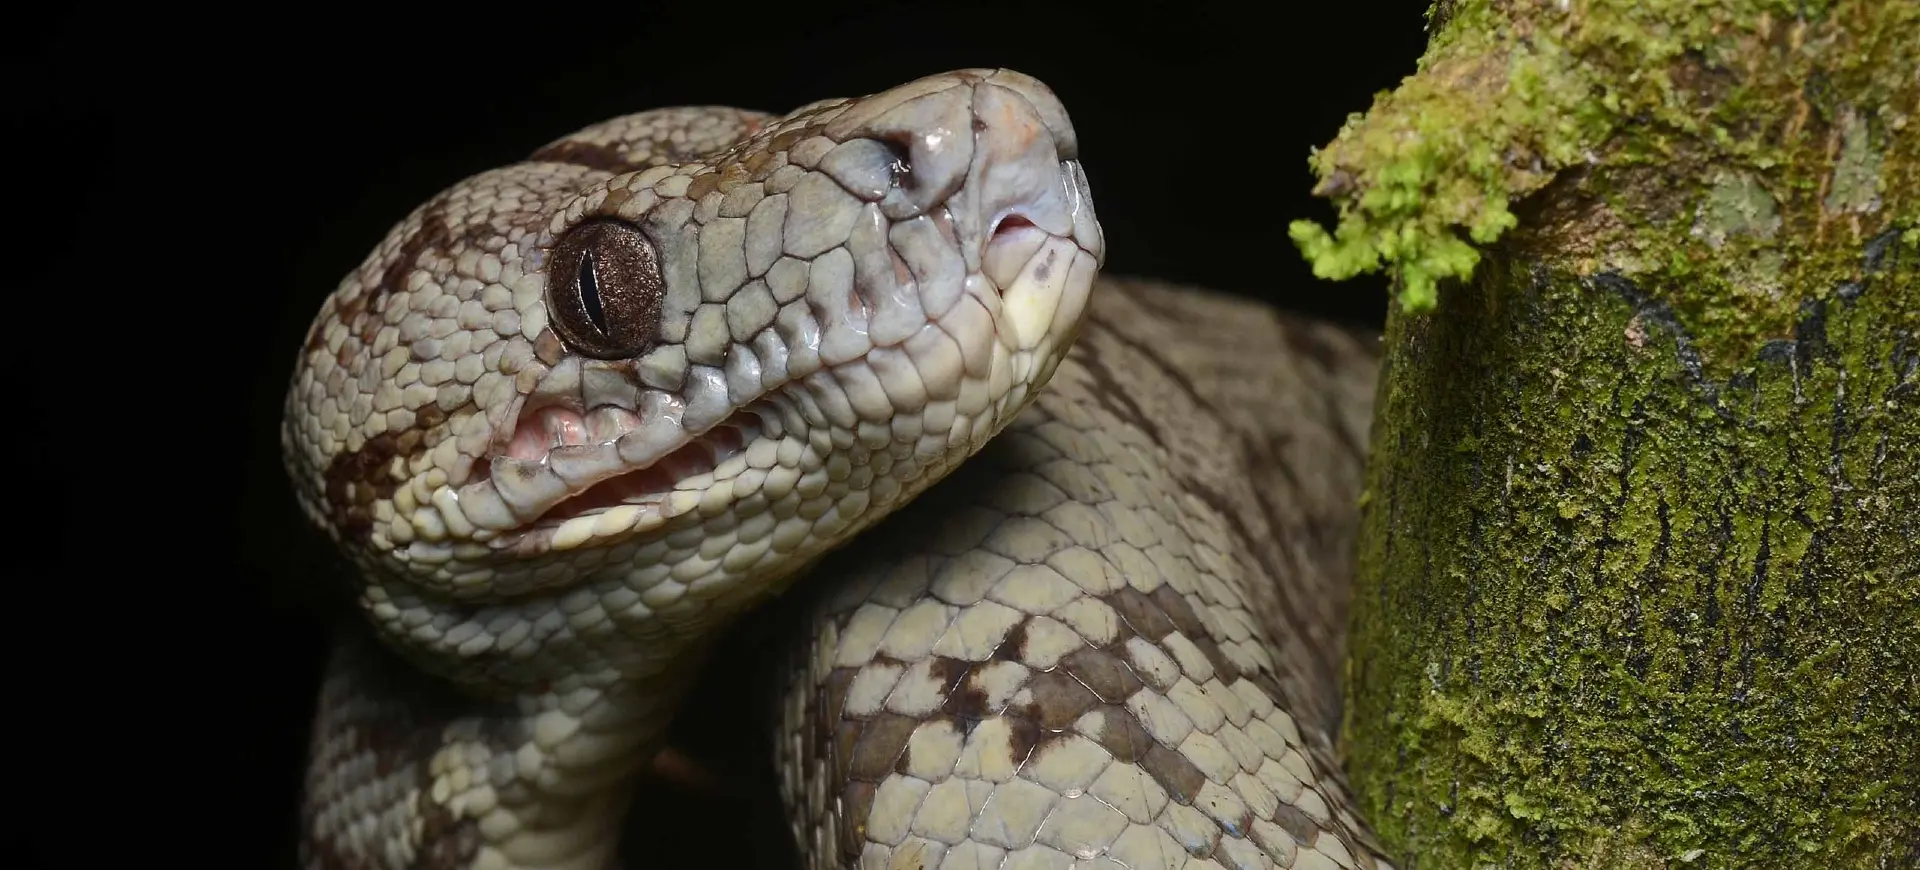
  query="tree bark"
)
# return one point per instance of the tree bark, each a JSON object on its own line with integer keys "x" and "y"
{"x": 1639, "y": 579}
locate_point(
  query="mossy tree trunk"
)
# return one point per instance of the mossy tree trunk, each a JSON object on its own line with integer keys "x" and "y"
{"x": 1640, "y": 569}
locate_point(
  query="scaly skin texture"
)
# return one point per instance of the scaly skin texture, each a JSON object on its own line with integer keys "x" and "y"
{"x": 812, "y": 319}
{"x": 1111, "y": 640}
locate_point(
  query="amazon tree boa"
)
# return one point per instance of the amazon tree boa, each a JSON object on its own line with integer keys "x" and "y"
{"x": 575, "y": 415}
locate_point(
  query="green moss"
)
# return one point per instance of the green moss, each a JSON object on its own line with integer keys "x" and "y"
{"x": 1640, "y": 571}
{"x": 1513, "y": 96}
{"x": 1616, "y": 614}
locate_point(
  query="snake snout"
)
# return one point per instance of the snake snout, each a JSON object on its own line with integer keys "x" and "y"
{"x": 1040, "y": 243}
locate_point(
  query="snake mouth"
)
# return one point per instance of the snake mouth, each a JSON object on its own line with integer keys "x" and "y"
{"x": 557, "y": 428}
{"x": 606, "y": 497}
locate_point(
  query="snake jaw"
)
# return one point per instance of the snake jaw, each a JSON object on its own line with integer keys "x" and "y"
{"x": 584, "y": 452}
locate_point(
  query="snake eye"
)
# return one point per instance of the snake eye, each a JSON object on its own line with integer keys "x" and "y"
{"x": 603, "y": 290}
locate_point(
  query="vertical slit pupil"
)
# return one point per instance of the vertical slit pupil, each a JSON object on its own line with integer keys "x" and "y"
{"x": 590, "y": 292}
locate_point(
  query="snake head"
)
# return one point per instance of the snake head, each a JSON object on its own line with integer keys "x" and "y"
{"x": 690, "y": 348}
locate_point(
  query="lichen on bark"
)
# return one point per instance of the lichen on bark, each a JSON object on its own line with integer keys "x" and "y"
{"x": 1640, "y": 565}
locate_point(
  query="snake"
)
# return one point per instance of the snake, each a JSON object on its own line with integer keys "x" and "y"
{"x": 1067, "y": 554}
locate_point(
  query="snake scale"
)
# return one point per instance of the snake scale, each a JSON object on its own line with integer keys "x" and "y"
{"x": 576, "y": 414}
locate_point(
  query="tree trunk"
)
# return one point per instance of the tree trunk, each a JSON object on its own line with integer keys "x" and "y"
{"x": 1639, "y": 580}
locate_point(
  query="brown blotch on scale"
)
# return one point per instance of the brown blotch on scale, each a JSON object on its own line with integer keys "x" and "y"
{"x": 969, "y": 699}
{"x": 428, "y": 417}
{"x": 835, "y": 692}
{"x": 549, "y": 348}
{"x": 1056, "y": 700}
{"x": 1141, "y": 612}
{"x": 399, "y": 713}
{"x": 362, "y": 313}
{"x": 856, "y": 802}
{"x": 1045, "y": 270}
{"x": 434, "y": 233}
{"x": 1270, "y": 684}
{"x": 1223, "y": 667}
{"x": 784, "y": 141}
{"x": 616, "y": 200}
{"x": 592, "y": 155}
{"x": 702, "y": 185}
{"x": 845, "y": 735}
{"x": 1174, "y": 772}
{"x": 1022, "y": 736}
{"x": 1295, "y": 823}
{"x": 446, "y": 842}
{"x": 760, "y": 165}
{"x": 947, "y": 672}
{"x": 1012, "y": 646}
{"x": 1103, "y": 672}
{"x": 1048, "y": 741}
{"x": 881, "y": 746}
{"x": 355, "y": 480}
{"x": 1121, "y": 734}
{"x": 1108, "y": 389}
{"x": 968, "y": 704}
{"x": 1178, "y": 609}
{"x": 829, "y": 701}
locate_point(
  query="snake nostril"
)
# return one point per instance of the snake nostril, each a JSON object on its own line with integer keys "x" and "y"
{"x": 902, "y": 167}
{"x": 1011, "y": 243}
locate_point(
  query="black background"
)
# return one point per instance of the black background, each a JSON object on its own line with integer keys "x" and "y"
{"x": 189, "y": 185}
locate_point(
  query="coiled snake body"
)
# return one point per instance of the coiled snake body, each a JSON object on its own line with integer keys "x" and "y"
{"x": 577, "y": 413}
